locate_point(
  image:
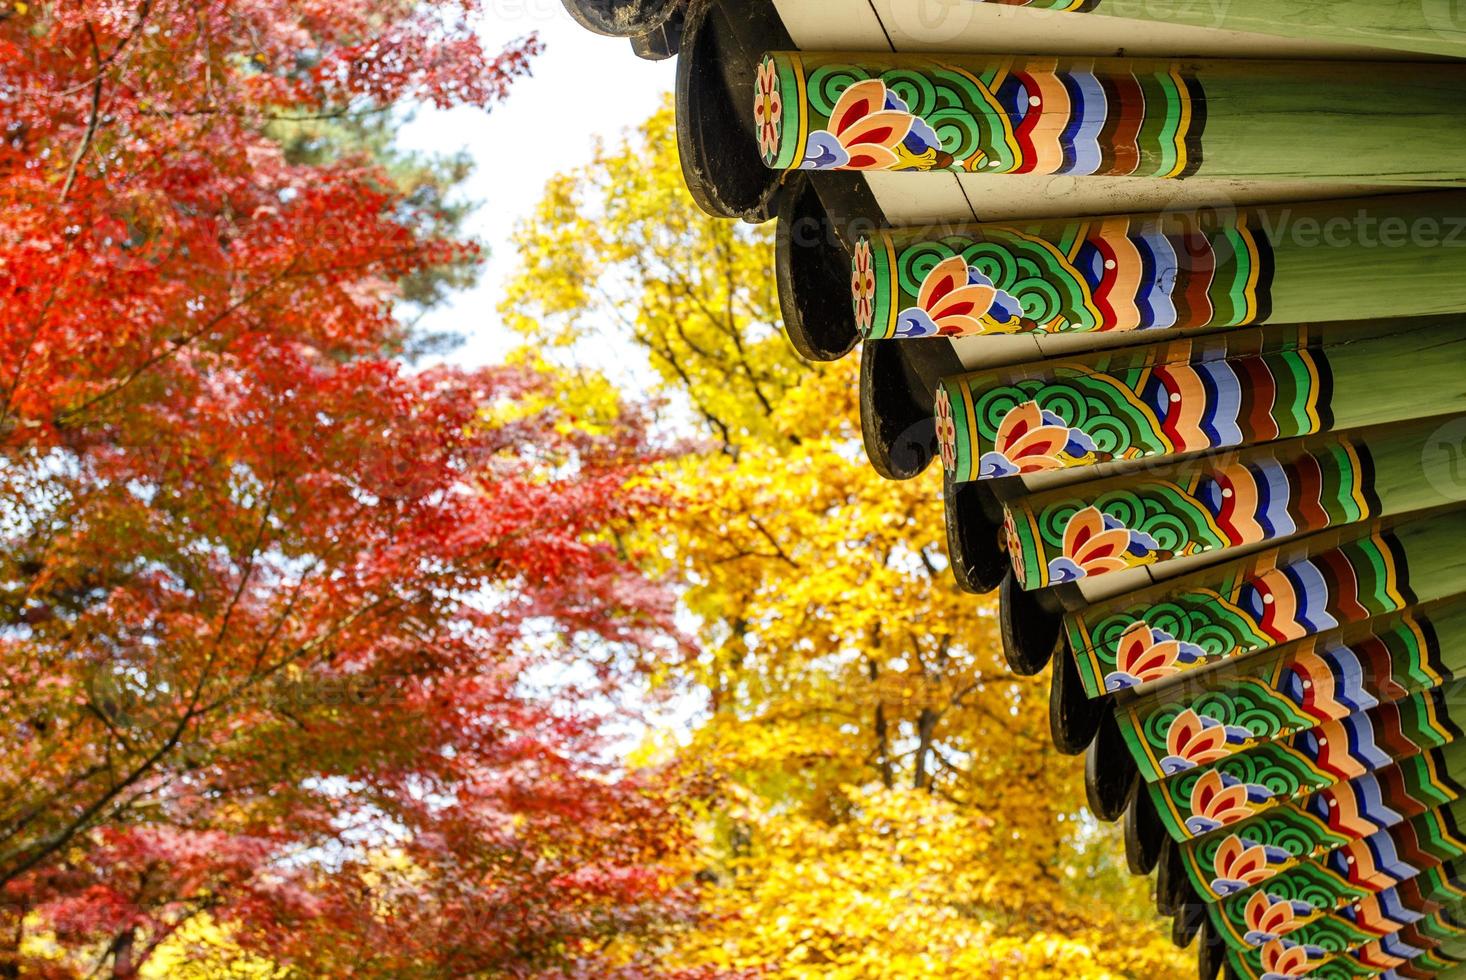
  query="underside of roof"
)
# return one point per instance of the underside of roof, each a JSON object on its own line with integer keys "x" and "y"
{"x": 1173, "y": 292}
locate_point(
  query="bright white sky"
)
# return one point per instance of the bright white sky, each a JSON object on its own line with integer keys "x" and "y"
{"x": 583, "y": 85}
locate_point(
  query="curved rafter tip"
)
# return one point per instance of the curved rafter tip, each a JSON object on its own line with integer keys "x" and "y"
{"x": 810, "y": 267}
{"x": 621, "y": 18}
{"x": 974, "y": 534}
{"x": 898, "y": 430}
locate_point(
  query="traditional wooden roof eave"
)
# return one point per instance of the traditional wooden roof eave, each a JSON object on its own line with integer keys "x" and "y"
{"x": 1397, "y": 528}
{"x": 717, "y": 55}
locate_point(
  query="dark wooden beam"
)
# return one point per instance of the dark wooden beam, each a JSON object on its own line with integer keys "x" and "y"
{"x": 811, "y": 264}
{"x": 1029, "y": 628}
{"x": 1144, "y": 832}
{"x": 1109, "y": 772}
{"x": 896, "y": 418}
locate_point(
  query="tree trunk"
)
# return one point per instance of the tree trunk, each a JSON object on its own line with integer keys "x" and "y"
{"x": 123, "y": 967}
{"x": 882, "y": 733}
{"x": 926, "y": 726}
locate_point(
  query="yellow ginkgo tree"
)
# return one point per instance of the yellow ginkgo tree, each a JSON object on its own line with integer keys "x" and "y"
{"x": 885, "y": 800}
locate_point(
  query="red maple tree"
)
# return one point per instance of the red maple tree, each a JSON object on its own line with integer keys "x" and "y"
{"x": 273, "y": 607}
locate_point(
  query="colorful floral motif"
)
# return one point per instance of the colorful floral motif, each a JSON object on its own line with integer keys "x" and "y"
{"x": 768, "y": 109}
{"x": 1031, "y": 440}
{"x": 1283, "y": 960}
{"x": 1240, "y": 864}
{"x": 1249, "y": 605}
{"x": 1399, "y": 656}
{"x": 1208, "y": 509}
{"x": 1218, "y": 800}
{"x": 996, "y": 115}
{"x": 1402, "y": 922}
{"x": 1012, "y": 542}
{"x": 1285, "y": 825}
{"x": 1345, "y": 914}
{"x": 1096, "y": 543}
{"x": 956, "y": 300}
{"x": 1340, "y": 757}
{"x": 871, "y": 128}
{"x": 1175, "y": 271}
{"x": 1389, "y": 797}
{"x": 1195, "y": 740}
{"x": 1159, "y": 401}
{"x": 1271, "y": 917}
{"x": 863, "y": 285}
{"x": 946, "y": 429}
{"x": 1148, "y": 654}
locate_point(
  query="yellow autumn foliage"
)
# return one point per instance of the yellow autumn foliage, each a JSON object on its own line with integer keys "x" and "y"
{"x": 888, "y": 802}
{"x": 886, "y": 893}
{"x": 202, "y": 949}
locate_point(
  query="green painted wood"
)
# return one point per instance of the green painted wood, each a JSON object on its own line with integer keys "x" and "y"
{"x": 1365, "y": 258}
{"x": 1413, "y": 927}
{"x": 1424, "y": 26}
{"x": 1253, "y": 604}
{"x": 1414, "y": 922}
{"x": 1434, "y": 937}
{"x": 1207, "y": 798}
{"x": 1309, "y": 829}
{"x": 1426, "y": 846}
{"x": 1227, "y": 500}
{"x": 1239, "y": 119}
{"x": 1447, "y": 962}
{"x": 1214, "y": 714}
{"x": 1211, "y": 392}
{"x": 1332, "y": 939}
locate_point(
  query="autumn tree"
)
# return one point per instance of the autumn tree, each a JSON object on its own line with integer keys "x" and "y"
{"x": 889, "y": 800}
{"x": 278, "y": 615}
